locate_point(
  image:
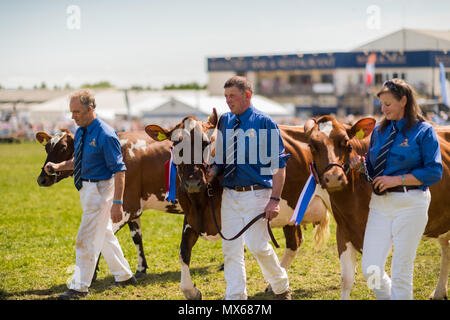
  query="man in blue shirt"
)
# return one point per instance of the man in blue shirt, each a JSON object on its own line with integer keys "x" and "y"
{"x": 99, "y": 175}
{"x": 253, "y": 182}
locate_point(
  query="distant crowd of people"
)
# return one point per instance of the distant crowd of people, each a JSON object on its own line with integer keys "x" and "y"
{"x": 12, "y": 127}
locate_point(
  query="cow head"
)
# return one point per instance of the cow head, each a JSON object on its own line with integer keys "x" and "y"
{"x": 192, "y": 148}
{"x": 331, "y": 146}
{"x": 59, "y": 148}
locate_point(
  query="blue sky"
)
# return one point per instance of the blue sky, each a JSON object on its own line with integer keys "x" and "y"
{"x": 157, "y": 42}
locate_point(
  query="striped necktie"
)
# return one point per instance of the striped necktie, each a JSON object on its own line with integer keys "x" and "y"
{"x": 380, "y": 162}
{"x": 230, "y": 165}
{"x": 77, "y": 160}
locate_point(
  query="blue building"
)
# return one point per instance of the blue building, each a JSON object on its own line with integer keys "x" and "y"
{"x": 334, "y": 82}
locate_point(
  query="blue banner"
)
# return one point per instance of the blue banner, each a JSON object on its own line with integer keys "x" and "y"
{"x": 332, "y": 60}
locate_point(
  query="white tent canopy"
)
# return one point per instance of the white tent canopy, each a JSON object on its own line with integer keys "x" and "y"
{"x": 109, "y": 105}
{"x": 204, "y": 103}
{"x": 153, "y": 104}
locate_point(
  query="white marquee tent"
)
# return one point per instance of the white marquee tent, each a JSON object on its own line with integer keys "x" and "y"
{"x": 169, "y": 106}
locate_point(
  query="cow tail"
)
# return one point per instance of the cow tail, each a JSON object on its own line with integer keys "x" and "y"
{"x": 322, "y": 232}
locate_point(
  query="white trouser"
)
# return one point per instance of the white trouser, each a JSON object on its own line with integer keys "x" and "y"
{"x": 239, "y": 208}
{"x": 398, "y": 219}
{"x": 95, "y": 235}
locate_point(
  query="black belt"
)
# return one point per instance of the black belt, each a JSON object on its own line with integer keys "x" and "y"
{"x": 248, "y": 188}
{"x": 402, "y": 188}
{"x": 90, "y": 180}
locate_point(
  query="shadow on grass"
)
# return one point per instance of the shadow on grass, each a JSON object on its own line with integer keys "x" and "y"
{"x": 297, "y": 294}
{"x": 300, "y": 293}
{"x": 101, "y": 285}
{"x": 171, "y": 276}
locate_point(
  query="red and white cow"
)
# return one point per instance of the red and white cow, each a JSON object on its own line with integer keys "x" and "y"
{"x": 193, "y": 198}
{"x": 144, "y": 178}
{"x": 350, "y": 193}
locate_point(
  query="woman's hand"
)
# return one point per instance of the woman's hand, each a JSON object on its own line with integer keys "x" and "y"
{"x": 385, "y": 182}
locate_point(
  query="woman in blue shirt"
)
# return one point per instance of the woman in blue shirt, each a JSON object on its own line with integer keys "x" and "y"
{"x": 403, "y": 160}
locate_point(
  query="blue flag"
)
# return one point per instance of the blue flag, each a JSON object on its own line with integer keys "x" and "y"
{"x": 303, "y": 201}
{"x": 171, "y": 179}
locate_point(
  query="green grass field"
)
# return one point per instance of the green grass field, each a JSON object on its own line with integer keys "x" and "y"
{"x": 38, "y": 228}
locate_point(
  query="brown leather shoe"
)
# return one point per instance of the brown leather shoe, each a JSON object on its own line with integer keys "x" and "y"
{"x": 132, "y": 281}
{"x": 284, "y": 296}
{"x": 72, "y": 295}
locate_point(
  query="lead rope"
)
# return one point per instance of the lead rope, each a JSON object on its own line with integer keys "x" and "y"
{"x": 262, "y": 215}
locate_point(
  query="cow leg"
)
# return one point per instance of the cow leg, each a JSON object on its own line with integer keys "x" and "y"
{"x": 294, "y": 239}
{"x": 347, "y": 257}
{"x": 441, "y": 288}
{"x": 136, "y": 235}
{"x": 188, "y": 240}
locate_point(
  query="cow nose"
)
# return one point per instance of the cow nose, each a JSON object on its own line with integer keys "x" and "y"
{"x": 43, "y": 181}
{"x": 334, "y": 181}
{"x": 192, "y": 185}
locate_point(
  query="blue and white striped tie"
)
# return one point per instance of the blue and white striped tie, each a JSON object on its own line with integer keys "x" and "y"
{"x": 380, "y": 162}
{"x": 77, "y": 161}
{"x": 230, "y": 163}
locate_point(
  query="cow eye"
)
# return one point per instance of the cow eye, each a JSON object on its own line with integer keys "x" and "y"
{"x": 348, "y": 146}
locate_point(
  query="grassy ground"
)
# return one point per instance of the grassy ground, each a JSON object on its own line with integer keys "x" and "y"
{"x": 38, "y": 228}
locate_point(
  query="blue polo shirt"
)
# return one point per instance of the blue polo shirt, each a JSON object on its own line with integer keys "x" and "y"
{"x": 255, "y": 158}
{"x": 416, "y": 151}
{"x": 102, "y": 156}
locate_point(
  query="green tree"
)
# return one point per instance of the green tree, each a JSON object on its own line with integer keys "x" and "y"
{"x": 136, "y": 88}
{"x": 184, "y": 86}
{"x": 101, "y": 84}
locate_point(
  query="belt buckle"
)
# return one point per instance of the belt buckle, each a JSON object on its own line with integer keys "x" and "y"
{"x": 239, "y": 188}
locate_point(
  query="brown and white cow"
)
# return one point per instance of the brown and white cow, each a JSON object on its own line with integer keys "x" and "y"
{"x": 144, "y": 178}
{"x": 331, "y": 144}
{"x": 193, "y": 198}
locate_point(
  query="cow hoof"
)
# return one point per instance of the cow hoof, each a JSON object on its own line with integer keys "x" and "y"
{"x": 140, "y": 274}
{"x": 441, "y": 296}
{"x": 268, "y": 291}
{"x": 192, "y": 294}
{"x": 222, "y": 267}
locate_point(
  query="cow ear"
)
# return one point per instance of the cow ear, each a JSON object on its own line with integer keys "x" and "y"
{"x": 213, "y": 118}
{"x": 362, "y": 128}
{"x": 309, "y": 125}
{"x": 157, "y": 133}
{"x": 43, "y": 137}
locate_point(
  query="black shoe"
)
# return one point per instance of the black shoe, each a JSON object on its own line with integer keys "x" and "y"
{"x": 132, "y": 281}
{"x": 72, "y": 295}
